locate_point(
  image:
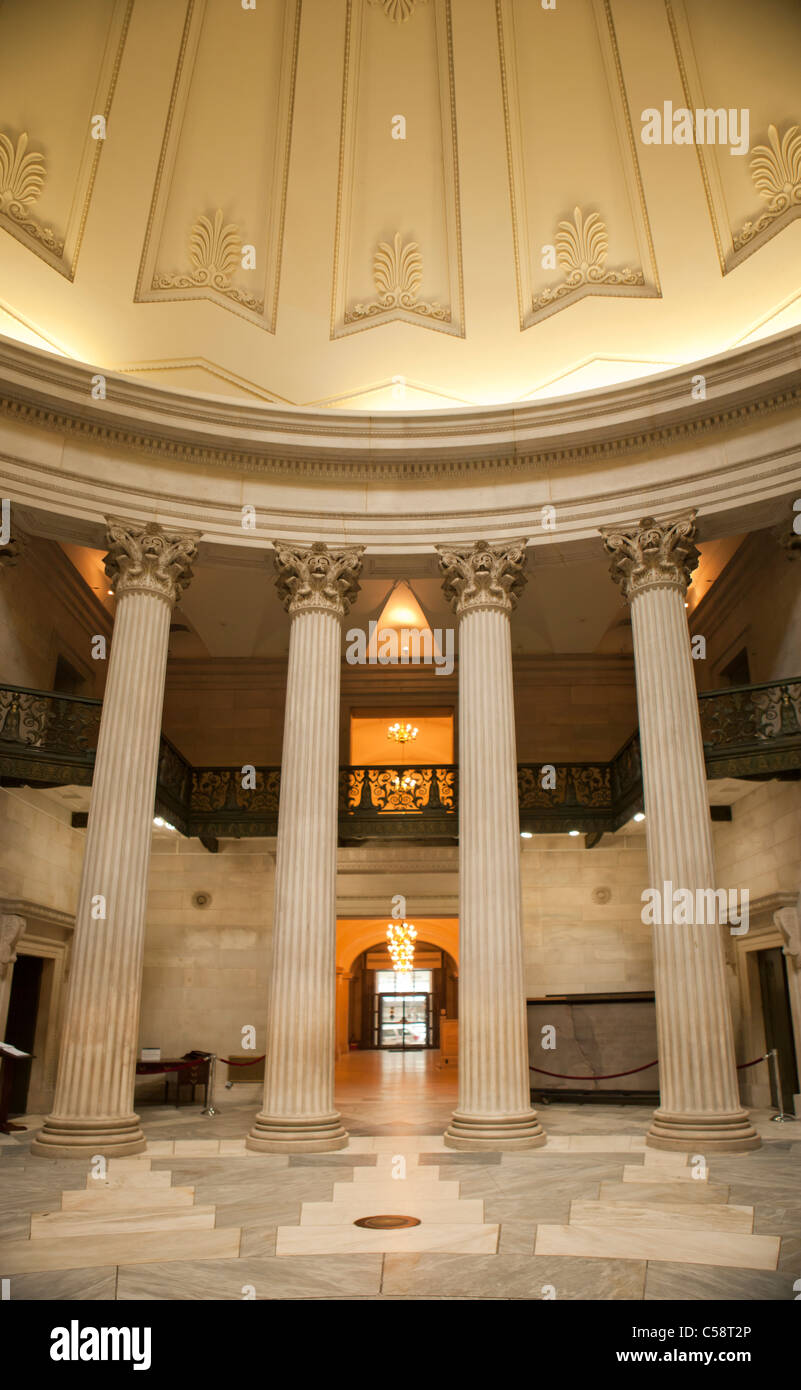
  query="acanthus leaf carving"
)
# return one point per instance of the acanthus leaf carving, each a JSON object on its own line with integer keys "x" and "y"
{"x": 652, "y": 554}
{"x": 776, "y": 173}
{"x": 215, "y": 250}
{"x": 482, "y": 575}
{"x": 146, "y": 559}
{"x": 399, "y": 10}
{"x": 581, "y": 250}
{"x": 398, "y": 275}
{"x": 317, "y": 577}
{"x": 22, "y": 176}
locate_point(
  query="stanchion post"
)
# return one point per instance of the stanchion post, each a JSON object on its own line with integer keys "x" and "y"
{"x": 209, "y": 1107}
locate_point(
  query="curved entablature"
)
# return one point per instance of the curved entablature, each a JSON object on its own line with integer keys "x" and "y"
{"x": 78, "y": 444}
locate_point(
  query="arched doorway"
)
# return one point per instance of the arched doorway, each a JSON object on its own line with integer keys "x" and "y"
{"x": 396, "y": 1035}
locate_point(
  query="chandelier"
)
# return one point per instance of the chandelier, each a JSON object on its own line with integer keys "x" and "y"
{"x": 400, "y": 944}
{"x": 406, "y": 783}
{"x": 402, "y": 733}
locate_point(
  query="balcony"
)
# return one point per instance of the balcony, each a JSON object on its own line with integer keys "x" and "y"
{"x": 50, "y": 740}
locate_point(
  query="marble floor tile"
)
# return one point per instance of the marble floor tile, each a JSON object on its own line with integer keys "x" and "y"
{"x": 258, "y": 1240}
{"x": 512, "y": 1276}
{"x": 269, "y": 1278}
{"x": 377, "y": 1194}
{"x": 337, "y": 1240}
{"x": 129, "y": 1178}
{"x": 77, "y": 1225}
{"x": 689, "y": 1247}
{"x": 430, "y": 1209}
{"x": 157, "y": 1148}
{"x": 129, "y": 1199}
{"x": 646, "y": 1173}
{"x": 516, "y": 1238}
{"x": 658, "y": 1192}
{"x": 691, "y": 1216}
{"x": 64, "y": 1285}
{"x": 23, "y": 1257}
{"x": 694, "y": 1283}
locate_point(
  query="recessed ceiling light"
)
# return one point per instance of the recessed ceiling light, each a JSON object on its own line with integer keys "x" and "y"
{"x": 639, "y": 815}
{"x": 574, "y": 832}
{"x": 526, "y": 834}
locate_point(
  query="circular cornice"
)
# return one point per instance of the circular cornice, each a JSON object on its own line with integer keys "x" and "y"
{"x": 53, "y": 393}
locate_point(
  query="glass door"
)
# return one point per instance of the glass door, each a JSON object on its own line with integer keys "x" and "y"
{"x": 404, "y": 1021}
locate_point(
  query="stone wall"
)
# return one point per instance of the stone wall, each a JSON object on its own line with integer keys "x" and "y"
{"x": 40, "y": 854}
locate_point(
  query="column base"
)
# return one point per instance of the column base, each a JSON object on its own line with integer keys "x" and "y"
{"x": 504, "y": 1133}
{"x": 703, "y": 1133}
{"x": 81, "y": 1137}
{"x": 296, "y": 1134}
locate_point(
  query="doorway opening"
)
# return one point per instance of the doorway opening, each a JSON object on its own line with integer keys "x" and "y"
{"x": 23, "y": 1009}
{"x": 777, "y": 1017}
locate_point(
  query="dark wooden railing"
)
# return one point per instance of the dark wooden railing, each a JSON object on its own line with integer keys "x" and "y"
{"x": 49, "y": 739}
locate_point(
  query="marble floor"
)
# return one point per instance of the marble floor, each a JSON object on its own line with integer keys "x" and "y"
{"x": 592, "y": 1215}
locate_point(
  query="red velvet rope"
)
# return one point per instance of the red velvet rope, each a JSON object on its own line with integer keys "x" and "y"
{"x": 249, "y": 1062}
{"x": 613, "y": 1076}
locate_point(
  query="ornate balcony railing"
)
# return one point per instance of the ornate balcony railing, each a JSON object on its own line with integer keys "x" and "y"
{"x": 50, "y": 739}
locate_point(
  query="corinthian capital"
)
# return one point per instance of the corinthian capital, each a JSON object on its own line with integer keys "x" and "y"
{"x": 317, "y": 577}
{"x": 652, "y": 554}
{"x": 482, "y": 575}
{"x": 143, "y": 558}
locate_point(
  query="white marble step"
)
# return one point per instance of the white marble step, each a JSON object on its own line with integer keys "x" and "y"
{"x": 434, "y": 1208}
{"x": 377, "y": 1194}
{"x": 384, "y": 1172}
{"x": 681, "y": 1247}
{"x": 136, "y": 1163}
{"x": 127, "y": 1199}
{"x": 355, "y": 1240}
{"x": 688, "y": 1216}
{"x": 133, "y": 1248}
{"x": 653, "y": 1172}
{"x": 129, "y": 1178}
{"x": 89, "y": 1223}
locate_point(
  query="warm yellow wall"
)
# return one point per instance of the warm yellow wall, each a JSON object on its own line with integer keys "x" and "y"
{"x": 369, "y": 742}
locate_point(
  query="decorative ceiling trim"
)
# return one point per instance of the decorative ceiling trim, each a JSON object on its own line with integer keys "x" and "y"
{"x": 61, "y": 251}
{"x": 348, "y": 316}
{"x": 398, "y": 275}
{"x": 210, "y": 244}
{"x": 776, "y": 172}
{"x": 215, "y": 251}
{"x": 581, "y": 249}
{"x": 748, "y": 384}
{"x": 775, "y": 168}
{"x": 22, "y": 176}
{"x": 537, "y": 304}
{"x": 399, "y": 10}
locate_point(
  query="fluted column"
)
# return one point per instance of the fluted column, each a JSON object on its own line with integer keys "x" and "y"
{"x": 317, "y": 585}
{"x": 699, "y": 1102}
{"x": 93, "y": 1106}
{"x": 494, "y": 1110}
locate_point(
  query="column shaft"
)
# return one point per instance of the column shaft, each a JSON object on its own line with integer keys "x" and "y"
{"x": 299, "y": 1078}
{"x": 298, "y": 1115}
{"x": 699, "y": 1102}
{"x": 494, "y": 1109}
{"x": 93, "y": 1105}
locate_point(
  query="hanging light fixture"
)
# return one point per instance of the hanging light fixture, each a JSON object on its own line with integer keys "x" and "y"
{"x": 406, "y": 783}
{"x": 400, "y": 944}
{"x": 402, "y": 733}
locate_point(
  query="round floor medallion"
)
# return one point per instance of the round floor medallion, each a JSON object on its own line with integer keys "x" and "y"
{"x": 386, "y": 1223}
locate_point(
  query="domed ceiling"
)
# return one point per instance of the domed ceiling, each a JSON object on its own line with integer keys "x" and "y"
{"x": 398, "y": 204}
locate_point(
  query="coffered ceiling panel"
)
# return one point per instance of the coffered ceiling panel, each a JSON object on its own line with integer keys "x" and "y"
{"x": 58, "y": 69}
{"x": 216, "y": 220}
{"x": 579, "y": 216}
{"x": 398, "y": 252}
{"x": 754, "y": 194}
